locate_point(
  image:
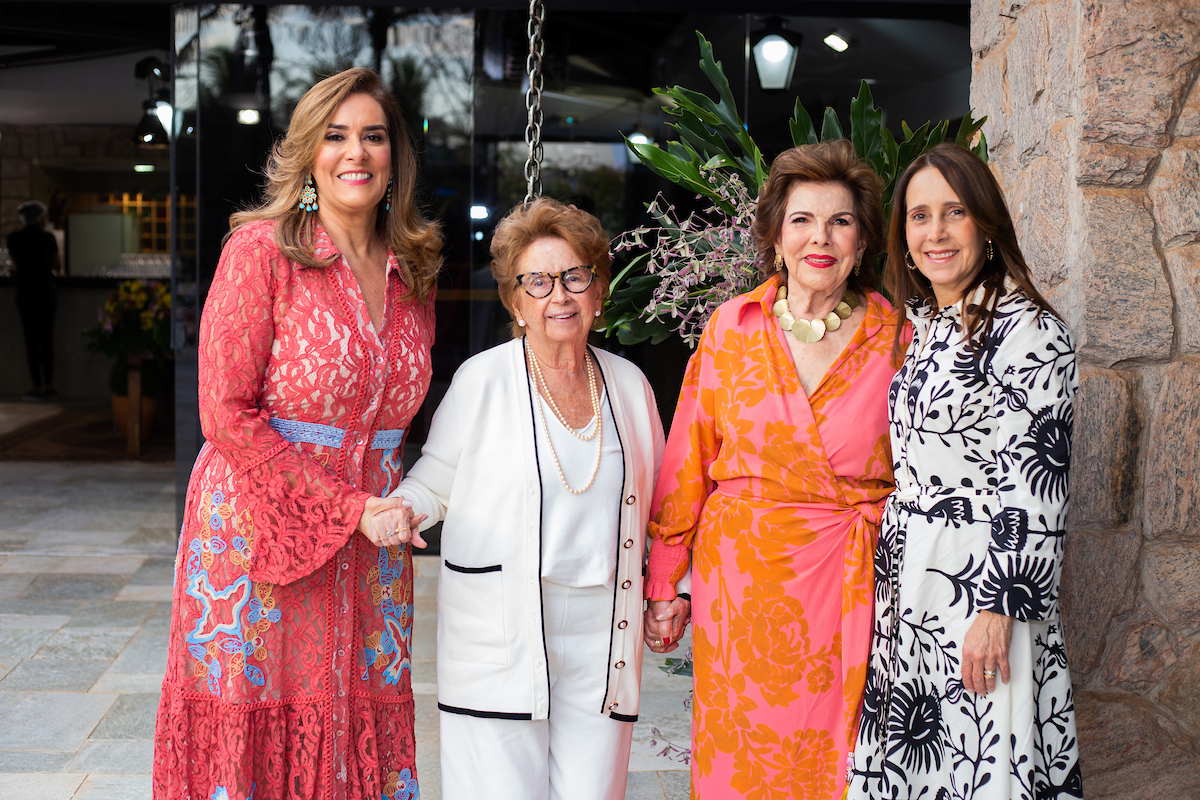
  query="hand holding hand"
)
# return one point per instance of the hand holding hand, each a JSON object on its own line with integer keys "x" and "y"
{"x": 665, "y": 622}
{"x": 985, "y": 652}
{"x": 389, "y": 521}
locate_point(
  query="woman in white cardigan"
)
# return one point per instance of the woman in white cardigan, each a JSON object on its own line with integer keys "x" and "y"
{"x": 541, "y": 459}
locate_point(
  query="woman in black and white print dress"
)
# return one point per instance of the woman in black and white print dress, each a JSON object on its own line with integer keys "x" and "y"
{"x": 968, "y": 692}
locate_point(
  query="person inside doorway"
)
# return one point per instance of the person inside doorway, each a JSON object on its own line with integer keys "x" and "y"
{"x": 34, "y": 254}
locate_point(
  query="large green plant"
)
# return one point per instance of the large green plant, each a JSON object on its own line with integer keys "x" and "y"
{"x": 685, "y": 268}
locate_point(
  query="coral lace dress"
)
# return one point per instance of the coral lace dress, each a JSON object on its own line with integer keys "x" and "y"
{"x": 778, "y": 497}
{"x": 288, "y": 673}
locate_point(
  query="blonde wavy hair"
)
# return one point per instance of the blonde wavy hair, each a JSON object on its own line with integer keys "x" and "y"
{"x": 416, "y": 241}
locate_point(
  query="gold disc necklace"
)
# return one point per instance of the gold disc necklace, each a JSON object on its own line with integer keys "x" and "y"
{"x": 812, "y": 330}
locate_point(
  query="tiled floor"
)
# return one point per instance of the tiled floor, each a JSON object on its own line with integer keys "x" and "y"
{"x": 86, "y": 553}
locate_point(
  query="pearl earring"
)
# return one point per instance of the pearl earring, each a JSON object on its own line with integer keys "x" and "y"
{"x": 521, "y": 323}
{"x": 596, "y": 314}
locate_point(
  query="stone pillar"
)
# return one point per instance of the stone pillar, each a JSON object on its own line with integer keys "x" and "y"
{"x": 1094, "y": 131}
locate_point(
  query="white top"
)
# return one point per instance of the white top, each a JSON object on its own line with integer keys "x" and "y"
{"x": 579, "y": 530}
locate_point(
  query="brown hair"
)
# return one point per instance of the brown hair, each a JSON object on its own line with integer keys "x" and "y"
{"x": 417, "y": 242}
{"x": 979, "y": 192}
{"x": 827, "y": 162}
{"x": 544, "y": 218}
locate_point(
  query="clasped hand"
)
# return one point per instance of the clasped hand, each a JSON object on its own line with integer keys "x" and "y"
{"x": 665, "y": 621}
{"x": 389, "y": 521}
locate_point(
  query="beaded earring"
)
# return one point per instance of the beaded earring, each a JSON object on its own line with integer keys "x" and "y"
{"x": 990, "y": 252}
{"x": 908, "y": 259}
{"x": 858, "y": 267}
{"x": 308, "y": 197}
{"x": 387, "y": 199}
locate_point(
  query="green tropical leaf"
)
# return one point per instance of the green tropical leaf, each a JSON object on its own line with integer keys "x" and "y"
{"x": 831, "y": 128}
{"x": 966, "y": 132}
{"x": 937, "y": 135}
{"x": 677, "y": 169}
{"x": 801, "y": 127}
{"x": 912, "y": 146}
{"x": 866, "y": 123}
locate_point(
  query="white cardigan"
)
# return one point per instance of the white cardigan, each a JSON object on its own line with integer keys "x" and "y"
{"x": 480, "y": 471}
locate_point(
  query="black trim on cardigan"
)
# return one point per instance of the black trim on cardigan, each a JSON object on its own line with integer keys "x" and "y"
{"x": 470, "y": 570}
{"x": 617, "y": 562}
{"x": 471, "y": 712}
{"x": 537, "y": 463}
{"x": 623, "y": 717}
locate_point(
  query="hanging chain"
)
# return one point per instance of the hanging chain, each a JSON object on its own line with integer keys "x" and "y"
{"x": 533, "y": 100}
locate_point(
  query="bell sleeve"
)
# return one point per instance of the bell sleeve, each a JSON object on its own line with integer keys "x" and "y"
{"x": 302, "y": 514}
{"x": 1034, "y": 378}
{"x": 683, "y": 482}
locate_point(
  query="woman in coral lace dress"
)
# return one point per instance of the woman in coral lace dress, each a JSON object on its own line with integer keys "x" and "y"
{"x": 772, "y": 486}
{"x": 288, "y": 672}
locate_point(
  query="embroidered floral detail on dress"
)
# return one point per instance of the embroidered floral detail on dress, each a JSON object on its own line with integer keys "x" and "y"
{"x": 233, "y": 617}
{"x": 391, "y": 463}
{"x": 401, "y": 786}
{"x": 221, "y": 793}
{"x": 392, "y": 641}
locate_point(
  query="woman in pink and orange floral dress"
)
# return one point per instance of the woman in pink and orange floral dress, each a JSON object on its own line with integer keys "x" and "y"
{"x": 288, "y": 672}
{"x": 772, "y": 488}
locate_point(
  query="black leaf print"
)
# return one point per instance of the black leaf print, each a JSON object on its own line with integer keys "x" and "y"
{"x": 1049, "y": 446}
{"x": 915, "y": 729}
{"x": 1018, "y": 586}
{"x": 954, "y": 510}
{"x": 1010, "y": 528}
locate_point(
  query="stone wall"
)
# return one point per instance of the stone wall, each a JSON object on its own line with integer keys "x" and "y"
{"x": 1094, "y": 132}
{"x": 20, "y": 145}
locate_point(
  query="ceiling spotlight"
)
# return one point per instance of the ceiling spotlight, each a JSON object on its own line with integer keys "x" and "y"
{"x": 837, "y": 42}
{"x": 164, "y": 112}
{"x": 775, "y": 51}
{"x": 479, "y": 236}
{"x": 480, "y": 212}
{"x": 249, "y": 116}
{"x": 638, "y": 137}
{"x": 150, "y": 131}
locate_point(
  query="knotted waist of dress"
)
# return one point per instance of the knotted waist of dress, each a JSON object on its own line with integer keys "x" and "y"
{"x": 331, "y": 435}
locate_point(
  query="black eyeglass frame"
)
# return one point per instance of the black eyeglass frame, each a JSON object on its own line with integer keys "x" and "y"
{"x": 591, "y": 268}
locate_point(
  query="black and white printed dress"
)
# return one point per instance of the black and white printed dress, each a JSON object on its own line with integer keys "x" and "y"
{"x": 982, "y": 448}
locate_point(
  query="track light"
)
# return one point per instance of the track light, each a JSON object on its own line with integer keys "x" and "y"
{"x": 838, "y": 42}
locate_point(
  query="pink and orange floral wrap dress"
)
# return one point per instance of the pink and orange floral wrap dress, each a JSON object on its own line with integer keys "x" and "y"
{"x": 288, "y": 671}
{"x": 776, "y": 499}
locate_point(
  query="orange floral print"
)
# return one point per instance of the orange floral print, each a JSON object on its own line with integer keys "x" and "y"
{"x": 774, "y": 498}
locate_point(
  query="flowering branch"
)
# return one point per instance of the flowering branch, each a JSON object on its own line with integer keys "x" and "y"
{"x": 699, "y": 262}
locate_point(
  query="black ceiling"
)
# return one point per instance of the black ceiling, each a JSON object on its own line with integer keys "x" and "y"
{"x": 48, "y": 32}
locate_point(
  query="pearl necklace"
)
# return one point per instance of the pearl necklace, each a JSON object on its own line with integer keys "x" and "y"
{"x": 592, "y": 392}
{"x": 809, "y": 331}
{"x": 596, "y": 433}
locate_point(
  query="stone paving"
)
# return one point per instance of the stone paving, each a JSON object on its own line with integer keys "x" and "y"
{"x": 86, "y": 555}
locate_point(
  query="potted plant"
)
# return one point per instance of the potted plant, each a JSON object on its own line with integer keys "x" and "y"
{"x": 685, "y": 268}
{"x": 135, "y": 325}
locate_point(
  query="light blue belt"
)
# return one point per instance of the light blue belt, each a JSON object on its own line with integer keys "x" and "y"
{"x": 329, "y": 435}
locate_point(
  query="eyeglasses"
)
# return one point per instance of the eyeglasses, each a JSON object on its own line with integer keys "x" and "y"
{"x": 540, "y": 284}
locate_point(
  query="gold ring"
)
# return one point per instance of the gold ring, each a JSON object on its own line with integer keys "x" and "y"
{"x": 987, "y": 673}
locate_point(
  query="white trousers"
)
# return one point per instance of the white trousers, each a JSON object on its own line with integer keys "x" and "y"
{"x": 577, "y": 754}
